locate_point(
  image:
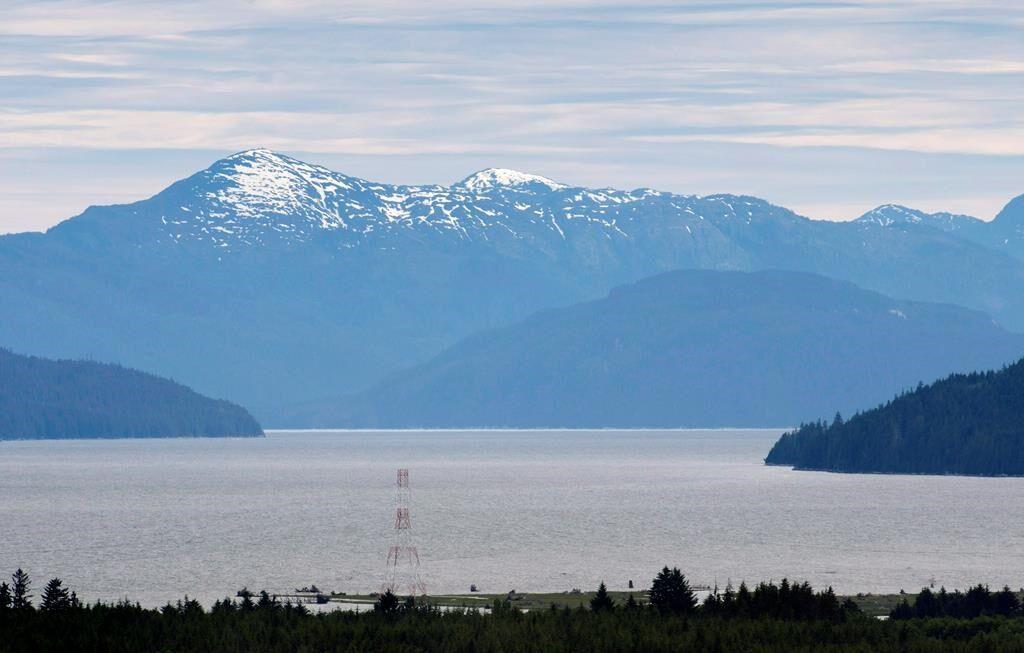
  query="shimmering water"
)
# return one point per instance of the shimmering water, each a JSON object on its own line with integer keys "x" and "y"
{"x": 154, "y": 520}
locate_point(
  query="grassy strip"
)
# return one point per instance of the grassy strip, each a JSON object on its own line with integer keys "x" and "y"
{"x": 874, "y": 605}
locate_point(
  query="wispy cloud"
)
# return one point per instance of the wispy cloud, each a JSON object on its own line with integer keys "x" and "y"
{"x": 931, "y": 140}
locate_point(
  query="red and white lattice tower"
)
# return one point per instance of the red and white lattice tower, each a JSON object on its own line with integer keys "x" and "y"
{"x": 403, "y": 572}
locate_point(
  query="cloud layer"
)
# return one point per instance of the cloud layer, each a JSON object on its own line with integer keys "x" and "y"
{"x": 694, "y": 97}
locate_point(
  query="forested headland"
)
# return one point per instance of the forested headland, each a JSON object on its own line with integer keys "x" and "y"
{"x": 42, "y": 398}
{"x": 971, "y": 424}
{"x": 667, "y": 617}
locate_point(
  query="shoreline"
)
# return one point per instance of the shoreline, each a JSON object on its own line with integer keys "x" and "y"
{"x": 871, "y": 604}
{"x": 490, "y": 429}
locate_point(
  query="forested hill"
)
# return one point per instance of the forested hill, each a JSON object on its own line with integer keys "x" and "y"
{"x": 690, "y": 348}
{"x": 41, "y": 398}
{"x": 965, "y": 424}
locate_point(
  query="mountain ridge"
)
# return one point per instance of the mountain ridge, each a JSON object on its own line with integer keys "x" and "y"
{"x": 269, "y": 280}
{"x": 258, "y": 171}
{"x": 296, "y": 200}
{"x": 1004, "y": 233}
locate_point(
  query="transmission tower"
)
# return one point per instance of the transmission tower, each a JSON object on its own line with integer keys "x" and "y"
{"x": 403, "y": 571}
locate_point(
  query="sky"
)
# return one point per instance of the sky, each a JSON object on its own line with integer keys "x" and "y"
{"x": 828, "y": 108}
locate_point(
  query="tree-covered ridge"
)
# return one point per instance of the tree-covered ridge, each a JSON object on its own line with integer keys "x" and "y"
{"x": 690, "y": 348}
{"x": 964, "y": 424}
{"x": 41, "y": 398}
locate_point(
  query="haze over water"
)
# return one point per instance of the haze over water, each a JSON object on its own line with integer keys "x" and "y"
{"x": 153, "y": 520}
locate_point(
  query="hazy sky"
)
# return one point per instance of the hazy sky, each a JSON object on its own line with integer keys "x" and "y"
{"x": 829, "y": 108}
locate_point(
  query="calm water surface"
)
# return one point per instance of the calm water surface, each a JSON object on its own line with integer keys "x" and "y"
{"x": 533, "y": 511}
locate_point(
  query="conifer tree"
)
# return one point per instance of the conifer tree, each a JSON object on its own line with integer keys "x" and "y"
{"x": 743, "y": 600}
{"x": 5, "y": 597}
{"x": 828, "y": 603}
{"x": 902, "y": 611}
{"x": 55, "y": 597}
{"x": 266, "y": 602}
{"x": 387, "y": 603}
{"x": 601, "y": 601}
{"x": 850, "y": 607}
{"x": 223, "y": 607}
{"x": 247, "y": 604}
{"x": 671, "y": 593}
{"x": 1006, "y": 603}
{"x": 21, "y": 599}
{"x": 926, "y": 605}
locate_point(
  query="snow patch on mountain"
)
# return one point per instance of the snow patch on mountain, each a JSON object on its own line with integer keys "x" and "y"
{"x": 259, "y": 197}
{"x": 504, "y": 178}
{"x": 888, "y": 215}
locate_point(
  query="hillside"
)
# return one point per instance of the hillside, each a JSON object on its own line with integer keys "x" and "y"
{"x": 963, "y": 424}
{"x": 47, "y": 399}
{"x": 686, "y": 348}
{"x": 270, "y": 281}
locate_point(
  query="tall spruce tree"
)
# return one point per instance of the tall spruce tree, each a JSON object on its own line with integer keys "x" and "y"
{"x": 21, "y": 599}
{"x": 601, "y": 601}
{"x": 671, "y": 593}
{"x": 55, "y": 597}
{"x": 1006, "y": 603}
{"x": 387, "y": 603}
{"x": 5, "y": 597}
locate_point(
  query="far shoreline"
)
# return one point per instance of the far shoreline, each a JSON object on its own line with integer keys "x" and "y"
{"x": 488, "y": 429}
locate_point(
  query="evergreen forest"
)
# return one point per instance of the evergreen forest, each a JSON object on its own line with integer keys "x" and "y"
{"x": 969, "y": 424}
{"x": 667, "y": 617}
{"x": 42, "y": 398}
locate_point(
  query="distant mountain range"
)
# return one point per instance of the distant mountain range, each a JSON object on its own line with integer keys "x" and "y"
{"x": 964, "y": 424}
{"x": 272, "y": 282}
{"x": 688, "y": 348}
{"x": 1005, "y": 233}
{"x": 50, "y": 399}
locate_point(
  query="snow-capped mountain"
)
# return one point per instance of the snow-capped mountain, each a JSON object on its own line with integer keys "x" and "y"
{"x": 1004, "y": 233}
{"x": 894, "y": 214}
{"x": 269, "y": 281}
{"x": 259, "y": 198}
{"x": 500, "y": 178}
{"x": 251, "y": 196}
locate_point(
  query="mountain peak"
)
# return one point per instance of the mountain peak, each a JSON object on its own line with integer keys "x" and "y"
{"x": 259, "y": 194}
{"x": 888, "y": 214}
{"x": 262, "y": 158}
{"x": 504, "y": 177}
{"x": 252, "y": 153}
